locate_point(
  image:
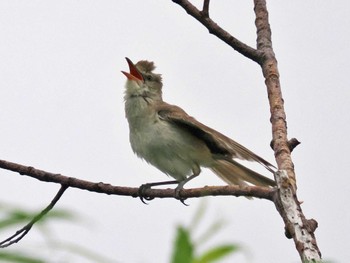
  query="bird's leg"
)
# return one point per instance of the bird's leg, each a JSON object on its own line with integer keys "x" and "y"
{"x": 181, "y": 184}
{"x": 196, "y": 171}
{"x": 146, "y": 186}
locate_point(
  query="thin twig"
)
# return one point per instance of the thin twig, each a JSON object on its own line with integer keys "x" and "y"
{"x": 205, "y": 11}
{"x": 292, "y": 143}
{"x": 24, "y": 231}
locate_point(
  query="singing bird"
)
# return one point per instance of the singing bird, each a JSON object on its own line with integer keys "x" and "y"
{"x": 177, "y": 144}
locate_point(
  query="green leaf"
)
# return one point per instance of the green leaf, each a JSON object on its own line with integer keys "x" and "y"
{"x": 199, "y": 214}
{"x": 13, "y": 219}
{"x": 183, "y": 247}
{"x": 17, "y": 216}
{"x": 217, "y": 253}
{"x": 81, "y": 251}
{"x": 18, "y": 257}
{"x": 212, "y": 230}
{"x": 61, "y": 214}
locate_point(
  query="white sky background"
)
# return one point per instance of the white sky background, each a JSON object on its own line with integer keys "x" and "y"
{"x": 62, "y": 111}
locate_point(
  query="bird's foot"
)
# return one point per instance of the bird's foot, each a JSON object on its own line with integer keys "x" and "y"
{"x": 142, "y": 195}
{"x": 144, "y": 187}
{"x": 178, "y": 196}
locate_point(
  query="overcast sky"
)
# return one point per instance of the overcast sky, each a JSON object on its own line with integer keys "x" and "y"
{"x": 62, "y": 111}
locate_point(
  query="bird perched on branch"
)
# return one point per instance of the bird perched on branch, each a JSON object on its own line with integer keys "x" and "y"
{"x": 177, "y": 144}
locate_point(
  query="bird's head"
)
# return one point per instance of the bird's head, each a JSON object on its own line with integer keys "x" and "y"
{"x": 141, "y": 81}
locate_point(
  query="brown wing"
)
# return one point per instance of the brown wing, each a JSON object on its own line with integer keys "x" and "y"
{"x": 216, "y": 142}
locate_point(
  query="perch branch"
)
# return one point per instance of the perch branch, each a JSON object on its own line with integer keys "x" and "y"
{"x": 65, "y": 181}
{"x": 249, "y": 191}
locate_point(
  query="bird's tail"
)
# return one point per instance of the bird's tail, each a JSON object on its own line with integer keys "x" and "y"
{"x": 233, "y": 172}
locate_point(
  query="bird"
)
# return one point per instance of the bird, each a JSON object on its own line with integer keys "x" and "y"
{"x": 166, "y": 137}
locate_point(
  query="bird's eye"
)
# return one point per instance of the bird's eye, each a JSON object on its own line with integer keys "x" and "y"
{"x": 148, "y": 77}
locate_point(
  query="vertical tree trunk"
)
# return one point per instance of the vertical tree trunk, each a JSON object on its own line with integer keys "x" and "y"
{"x": 286, "y": 201}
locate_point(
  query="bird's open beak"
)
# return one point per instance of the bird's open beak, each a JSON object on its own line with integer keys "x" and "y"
{"x": 134, "y": 74}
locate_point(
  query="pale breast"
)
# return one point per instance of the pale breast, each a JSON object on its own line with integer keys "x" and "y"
{"x": 170, "y": 149}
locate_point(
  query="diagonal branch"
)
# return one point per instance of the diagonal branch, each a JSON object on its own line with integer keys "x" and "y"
{"x": 215, "y": 29}
{"x": 24, "y": 231}
{"x": 249, "y": 191}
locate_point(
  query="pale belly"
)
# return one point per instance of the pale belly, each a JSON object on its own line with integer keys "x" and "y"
{"x": 172, "y": 150}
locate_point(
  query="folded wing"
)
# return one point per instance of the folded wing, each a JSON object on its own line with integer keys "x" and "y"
{"x": 217, "y": 143}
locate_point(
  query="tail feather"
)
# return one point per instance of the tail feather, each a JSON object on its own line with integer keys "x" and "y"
{"x": 233, "y": 172}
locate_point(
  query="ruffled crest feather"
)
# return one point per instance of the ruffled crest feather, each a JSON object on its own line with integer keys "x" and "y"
{"x": 145, "y": 66}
